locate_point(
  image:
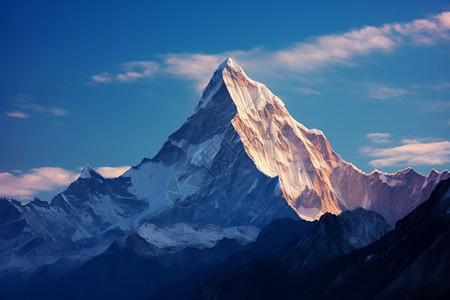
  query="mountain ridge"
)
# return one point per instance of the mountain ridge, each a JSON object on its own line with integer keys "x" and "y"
{"x": 409, "y": 262}
{"x": 309, "y": 171}
{"x": 239, "y": 159}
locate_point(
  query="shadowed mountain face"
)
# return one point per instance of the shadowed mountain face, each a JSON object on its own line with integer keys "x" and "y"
{"x": 410, "y": 262}
{"x": 239, "y": 159}
{"x": 163, "y": 263}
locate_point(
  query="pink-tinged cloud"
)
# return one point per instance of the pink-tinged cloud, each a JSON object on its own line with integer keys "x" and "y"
{"x": 26, "y": 185}
{"x": 102, "y": 78}
{"x": 137, "y": 70}
{"x": 59, "y": 112}
{"x": 377, "y": 91}
{"x": 197, "y": 67}
{"x": 413, "y": 153}
{"x": 17, "y": 114}
{"x": 426, "y": 31}
{"x": 379, "y": 137}
{"x": 308, "y": 91}
{"x": 134, "y": 70}
{"x": 112, "y": 172}
{"x": 341, "y": 48}
{"x": 35, "y": 108}
{"x": 332, "y": 49}
{"x": 322, "y": 51}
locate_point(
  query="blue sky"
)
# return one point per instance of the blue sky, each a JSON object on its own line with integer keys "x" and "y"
{"x": 105, "y": 83}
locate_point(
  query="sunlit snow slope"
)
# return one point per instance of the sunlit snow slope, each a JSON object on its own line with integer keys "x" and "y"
{"x": 313, "y": 178}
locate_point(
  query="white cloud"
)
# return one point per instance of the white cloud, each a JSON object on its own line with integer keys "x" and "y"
{"x": 200, "y": 67}
{"x": 134, "y": 70}
{"x": 197, "y": 67}
{"x": 332, "y": 49}
{"x": 323, "y": 51}
{"x": 382, "y": 92}
{"x": 25, "y": 185}
{"x": 59, "y": 112}
{"x": 320, "y": 52}
{"x": 308, "y": 91}
{"x": 379, "y": 138}
{"x": 425, "y": 31}
{"x": 102, "y": 78}
{"x": 438, "y": 105}
{"x": 412, "y": 153}
{"x": 447, "y": 123}
{"x": 443, "y": 85}
{"x": 111, "y": 172}
{"x": 415, "y": 140}
{"x": 17, "y": 114}
{"x": 27, "y": 107}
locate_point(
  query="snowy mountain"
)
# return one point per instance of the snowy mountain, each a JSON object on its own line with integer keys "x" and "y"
{"x": 332, "y": 237}
{"x": 238, "y": 160}
{"x": 241, "y": 143}
{"x": 175, "y": 259}
{"x": 410, "y": 262}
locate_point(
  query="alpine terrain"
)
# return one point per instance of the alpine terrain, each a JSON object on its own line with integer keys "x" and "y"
{"x": 238, "y": 163}
{"x": 410, "y": 262}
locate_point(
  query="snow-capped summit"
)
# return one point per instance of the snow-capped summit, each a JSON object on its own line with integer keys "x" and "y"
{"x": 240, "y": 159}
{"x": 231, "y": 64}
{"x": 88, "y": 173}
{"x": 238, "y": 122}
{"x": 313, "y": 178}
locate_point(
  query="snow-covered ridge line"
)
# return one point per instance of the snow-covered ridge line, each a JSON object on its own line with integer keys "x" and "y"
{"x": 312, "y": 176}
{"x": 88, "y": 172}
{"x": 200, "y": 236}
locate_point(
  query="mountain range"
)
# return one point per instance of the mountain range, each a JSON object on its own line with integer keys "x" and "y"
{"x": 410, "y": 262}
{"x": 238, "y": 164}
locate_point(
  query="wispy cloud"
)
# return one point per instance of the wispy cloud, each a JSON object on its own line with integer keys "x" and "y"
{"x": 304, "y": 57}
{"x": 382, "y": 92}
{"x": 308, "y": 91}
{"x": 333, "y": 49}
{"x": 437, "y": 87}
{"x": 438, "y": 105}
{"x": 111, "y": 172}
{"x": 26, "y": 108}
{"x": 32, "y": 107}
{"x": 379, "y": 137}
{"x": 415, "y": 140}
{"x": 133, "y": 70}
{"x": 413, "y": 152}
{"x": 26, "y": 185}
{"x": 325, "y": 51}
{"x": 102, "y": 78}
{"x": 425, "y": 31}
{"x": 17, "y": 114}
{"x": 59, "y": 112}
{"x": 197, "y": 67}
{"x": 136, "y": 70}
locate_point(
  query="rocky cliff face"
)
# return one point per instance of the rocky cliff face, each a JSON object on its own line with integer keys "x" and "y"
{"x": 410, "y": 262}
{"x": 239, "y": 159}
{"x": 313, "y": 178}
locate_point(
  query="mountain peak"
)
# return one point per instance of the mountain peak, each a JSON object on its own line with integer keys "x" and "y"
{"x": 88, "y": 173}
{"x": 231, "y": 64}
